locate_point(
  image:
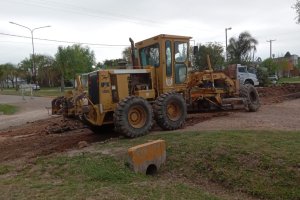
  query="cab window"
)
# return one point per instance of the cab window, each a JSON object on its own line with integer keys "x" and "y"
{"x": 150, "y": 55}
{"x": 181, "y": 55}
{"x": 181, "y": 73}
{"x": 180, "y": 51}
{"x": 168, "y": 58}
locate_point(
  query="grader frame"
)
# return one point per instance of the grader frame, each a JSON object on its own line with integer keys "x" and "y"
{"x": 160, "y": 86}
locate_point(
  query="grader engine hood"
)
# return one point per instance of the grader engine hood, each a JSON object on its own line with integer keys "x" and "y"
{"x": 108, "y": 87}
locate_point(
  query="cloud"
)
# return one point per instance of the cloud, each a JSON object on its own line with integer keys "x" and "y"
{"x": 114, "y": 21}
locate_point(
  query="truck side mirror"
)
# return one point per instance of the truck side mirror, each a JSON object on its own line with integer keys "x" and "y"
{"x": 195, "y": 50}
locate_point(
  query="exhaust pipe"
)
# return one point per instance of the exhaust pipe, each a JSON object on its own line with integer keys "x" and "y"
{"x": 134, "y": 64}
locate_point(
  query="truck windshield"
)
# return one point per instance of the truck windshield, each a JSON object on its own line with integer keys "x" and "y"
{"x": 150, "y": 55}
{"x": 242, "y": 69}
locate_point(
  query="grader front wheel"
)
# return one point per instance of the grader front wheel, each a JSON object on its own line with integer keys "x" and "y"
{"x": 133, "y": 117}
{"x": 170, "y": 111}
{"x": 137, "y": 116}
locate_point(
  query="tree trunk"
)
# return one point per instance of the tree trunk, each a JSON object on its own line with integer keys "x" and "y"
{"x": 12, "y": 83}
{"x": 62, "y": 83}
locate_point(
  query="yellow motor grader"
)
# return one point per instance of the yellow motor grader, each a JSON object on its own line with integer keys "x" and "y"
{"x": 160, "y": 86}
{"x": 72, "y": 103}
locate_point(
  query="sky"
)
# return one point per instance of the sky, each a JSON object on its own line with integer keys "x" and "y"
{"x": 106, "y": 25}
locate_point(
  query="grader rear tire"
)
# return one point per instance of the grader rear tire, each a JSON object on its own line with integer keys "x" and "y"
{"x": 170, "y": 111}
{"x": 251, "y": 96}
{"x": 133, "y": 117}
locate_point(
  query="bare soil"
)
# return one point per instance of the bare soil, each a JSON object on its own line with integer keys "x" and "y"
{"x": 279, "y": 111}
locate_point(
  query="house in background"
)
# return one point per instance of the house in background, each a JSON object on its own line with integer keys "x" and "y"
{"x": 288, "y": 65}
{"x": 295, "y": 59}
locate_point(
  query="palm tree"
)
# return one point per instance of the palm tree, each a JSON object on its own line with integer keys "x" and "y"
{"x": 297, "y": 8}
{"x": 239, "y": 49}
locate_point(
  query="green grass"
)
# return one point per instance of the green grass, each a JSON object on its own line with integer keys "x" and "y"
{"x": 7, "y": 109}
{"x": 53, "y": 92}
{"x": 290, "y": 80}
{"x": 91, "y": 176}
{"x": 257, "y": 163}
{"x": 43, "y": 92}
{"x": 4, "y": 169}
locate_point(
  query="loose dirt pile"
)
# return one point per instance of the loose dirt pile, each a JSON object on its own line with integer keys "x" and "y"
{"x": 42, "y": 138}
{"x": 57, "y": 134}
{"x": 278, "y": 93}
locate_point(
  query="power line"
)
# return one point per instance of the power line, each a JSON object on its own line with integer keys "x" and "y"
{"x": 100, "y": 14}
{"x": 63, "y": 41}
{"x": 92, "y": 12}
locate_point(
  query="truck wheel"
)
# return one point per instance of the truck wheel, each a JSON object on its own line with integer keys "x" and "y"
{"x": 133, "y": 117}
{"x": 170, "y": 111}
{"x": 251, "y": 97}
{"x": 249, "y": 82}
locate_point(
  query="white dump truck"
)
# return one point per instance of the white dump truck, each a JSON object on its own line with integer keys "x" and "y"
{"x": 245, "y": 76}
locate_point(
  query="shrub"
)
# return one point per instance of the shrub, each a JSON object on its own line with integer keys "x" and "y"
{"x": 262, "y": 76}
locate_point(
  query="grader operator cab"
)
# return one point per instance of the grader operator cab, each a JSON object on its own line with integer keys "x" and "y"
{"x": 160, "y": 86}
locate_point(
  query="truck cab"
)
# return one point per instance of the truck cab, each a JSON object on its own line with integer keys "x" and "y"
{"x": 245, "y": 76}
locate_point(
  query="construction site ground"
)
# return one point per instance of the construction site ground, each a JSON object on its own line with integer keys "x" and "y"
{"x": 32, "y": 132}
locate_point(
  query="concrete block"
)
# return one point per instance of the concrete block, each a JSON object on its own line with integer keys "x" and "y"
{"x": 147, "y": 158}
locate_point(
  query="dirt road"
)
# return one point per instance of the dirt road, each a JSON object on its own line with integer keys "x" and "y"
{"x": 30, "y": 109}
{"x": 280, "y": 111}
{"x": 281, "y": 116}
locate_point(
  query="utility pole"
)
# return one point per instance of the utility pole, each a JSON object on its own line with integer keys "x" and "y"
{"x": 270, "y": 41}
{"x": 33, "y": 69}
{"x": 226, "y": 29}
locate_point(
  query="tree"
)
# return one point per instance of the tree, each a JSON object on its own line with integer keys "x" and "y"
{"x": 298, "y": 66}
{"x": 1, "y": 77}
{"x": 46, "y": 72}
{"x": 25, "y": 67}
{"x": 214, "y": 50}
{"x": 262, "y": 76}
{"x": 286, "y": 66}
{"x": 271, "y": 65}
{"x": 73, "y": 60}
{"x": 9, "y": 74}
{"x": 126, "y": 54}
{"x": 1, "y": 73}
{"x": 99, "y": 65}
{"x": 297, "y": 9}
{"x": 241, "y": 49}
{"x": 112, "y": 63}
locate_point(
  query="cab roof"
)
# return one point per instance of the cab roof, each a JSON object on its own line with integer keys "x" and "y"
{"x": 164, "y": 36}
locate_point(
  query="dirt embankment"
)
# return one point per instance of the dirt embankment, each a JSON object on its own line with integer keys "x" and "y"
{"x": 43, "y": 137}
{"x": 278, "y": 93}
